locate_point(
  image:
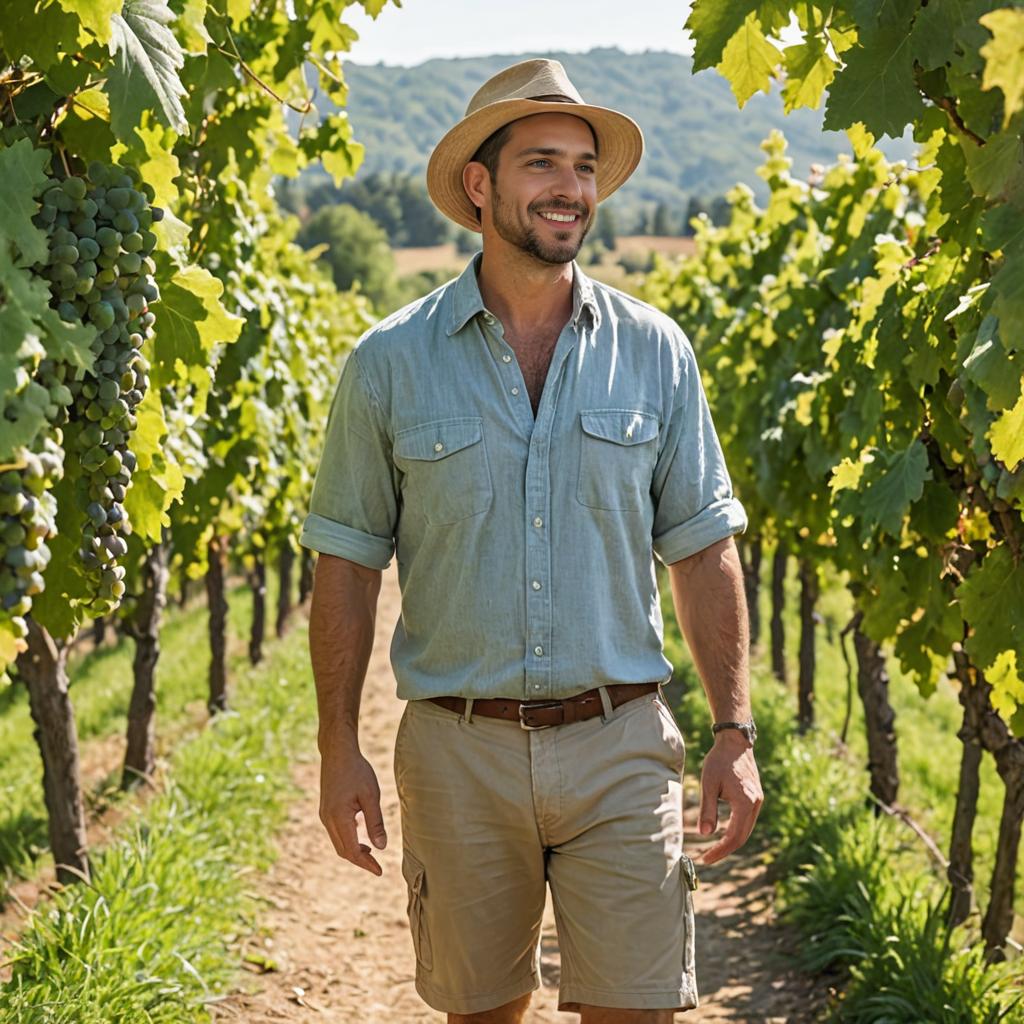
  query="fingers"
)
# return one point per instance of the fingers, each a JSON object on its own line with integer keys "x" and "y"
{"x": 744, "y": 797}
{"x": 340, "y": 807}
{"x": 730, "y": 842}
{"x": 708, "y": 805}
{"x": 374, "y": 820}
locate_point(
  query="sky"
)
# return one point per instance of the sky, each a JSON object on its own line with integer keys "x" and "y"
{"x": 422, "y": 29}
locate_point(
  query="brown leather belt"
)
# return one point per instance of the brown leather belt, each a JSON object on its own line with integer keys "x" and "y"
{"x": 541, "y": 714}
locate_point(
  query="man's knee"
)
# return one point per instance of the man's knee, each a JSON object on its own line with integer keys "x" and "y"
{"x": 509, "y": 1013}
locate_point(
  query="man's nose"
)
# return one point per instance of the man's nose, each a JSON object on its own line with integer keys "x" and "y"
{"x": 568, "y": 185}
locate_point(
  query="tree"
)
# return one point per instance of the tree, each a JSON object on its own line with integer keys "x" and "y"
{"x": 661, "y": 222}
{"x": 607, "y": 228}
{"x": 694, "y": 208}
{"x": 357, "y": 250}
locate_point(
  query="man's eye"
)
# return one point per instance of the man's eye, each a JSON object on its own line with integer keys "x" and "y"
{"x": 589, "y": 168}
{"x": 539, "y": 162}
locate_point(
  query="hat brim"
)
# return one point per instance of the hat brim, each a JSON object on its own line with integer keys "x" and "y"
{"x": 620, "y": 145}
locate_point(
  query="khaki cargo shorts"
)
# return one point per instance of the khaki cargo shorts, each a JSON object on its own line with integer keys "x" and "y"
{"x": 492, "y": 813}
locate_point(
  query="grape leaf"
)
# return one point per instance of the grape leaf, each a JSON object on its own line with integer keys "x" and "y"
{"x": 332, "y": 144}
{"x": 59, "y": 606}
{"x": 1007, "y": 686}
{"x": 995, "y": 169}
{"x": 991, "y": 598}
{"x": 1007, "y": 434}
{"x": 809, "y": 70}
{"x": 1004, "y": 58}
{"x": 40, "y": 32}
{"x": 934, "y": 35}
{"x": 991, "y": 367}
{"x": 712, "y": 25}
{"x": 150, "y": 496}
{"x": 23, "y": 172}
{"x": 885, "y": 498}
{"x": 748, "y": 61}
{"x": 95, "y": 15}
{"x": 193, "y": 26}
{"x": 145, "y": 75}
{"x": 191, "y": 322}
{"x": 876, "y": 86}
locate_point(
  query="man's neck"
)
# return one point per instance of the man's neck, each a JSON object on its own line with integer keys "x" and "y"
{"x": 525, "y": 294}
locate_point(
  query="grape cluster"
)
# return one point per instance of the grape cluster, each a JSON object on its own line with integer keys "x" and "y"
{"x": 27, "y": 513}
{"x": 100, "y": 272}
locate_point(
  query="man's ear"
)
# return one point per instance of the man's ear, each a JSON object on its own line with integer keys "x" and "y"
{"x": 476, "y": 180}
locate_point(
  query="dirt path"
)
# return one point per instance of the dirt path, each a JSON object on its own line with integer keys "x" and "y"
{"x": 337, "y": 939}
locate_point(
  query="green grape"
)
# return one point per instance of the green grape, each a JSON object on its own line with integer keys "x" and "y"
{"x": 88, "y": 248}
{"x": 126, "y": 222}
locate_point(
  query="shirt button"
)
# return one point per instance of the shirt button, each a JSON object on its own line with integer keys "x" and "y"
{"x": 535, "y": 584}
{"x": 488, "y": 319}
{"x": 538, "y": 650}
{"x": 506, "y": 358}
{"x": 438, "y": 447}
{"x": 515, "y": 391}
{"x": 536, "y": 686}
{"x": 537, "y": 521}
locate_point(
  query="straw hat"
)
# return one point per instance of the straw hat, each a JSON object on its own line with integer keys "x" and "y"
{"x": 512, "y": 94}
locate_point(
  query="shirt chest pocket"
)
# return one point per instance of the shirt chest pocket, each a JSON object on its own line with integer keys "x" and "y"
{"x": 618, "y": 450}
{"x": 447, "y": 477}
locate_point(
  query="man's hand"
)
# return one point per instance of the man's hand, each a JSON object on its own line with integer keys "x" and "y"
{"x": 730, "y": 774}
{"x": 348, "y": 787}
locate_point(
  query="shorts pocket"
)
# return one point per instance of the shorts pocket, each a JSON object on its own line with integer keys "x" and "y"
{"x": 673, "y": 734}
{"x": 447, "y": 477}
{"x": 618, "y": 449}
{"x": 415, "y": 879}
{"x": 689, "y": 883}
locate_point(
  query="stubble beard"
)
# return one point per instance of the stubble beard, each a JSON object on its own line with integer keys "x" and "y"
{"x": 509, "y": 227}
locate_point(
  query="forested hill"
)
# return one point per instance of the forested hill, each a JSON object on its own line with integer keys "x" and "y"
{"x": 698, "y": 143}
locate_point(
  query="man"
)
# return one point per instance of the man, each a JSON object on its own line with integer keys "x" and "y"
{"x": 523, "y": 439}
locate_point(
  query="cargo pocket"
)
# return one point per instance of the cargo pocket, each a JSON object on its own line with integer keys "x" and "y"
{"x": 415, "y": 878}
{"x": 689, "y": 882}
{"x": 672, "y": 734}
{"x": 447, "y": 477}
{"x": 618, "y": 450}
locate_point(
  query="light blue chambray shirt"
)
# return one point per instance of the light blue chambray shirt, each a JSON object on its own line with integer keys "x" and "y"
{"x": 525, "y": 547}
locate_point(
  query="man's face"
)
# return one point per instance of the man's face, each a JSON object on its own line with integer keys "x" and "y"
{"x": 545, "y": 193}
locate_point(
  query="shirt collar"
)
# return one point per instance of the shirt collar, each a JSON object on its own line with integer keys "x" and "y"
{"x": 467, "y": 302}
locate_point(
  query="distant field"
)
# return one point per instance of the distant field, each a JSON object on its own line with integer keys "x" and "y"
{"x": 437, "y": 257}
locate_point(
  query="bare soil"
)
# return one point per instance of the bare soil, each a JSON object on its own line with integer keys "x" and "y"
{"x": 335, "y": 944}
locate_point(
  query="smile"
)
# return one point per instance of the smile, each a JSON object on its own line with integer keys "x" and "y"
{"x": 561, "y": 218}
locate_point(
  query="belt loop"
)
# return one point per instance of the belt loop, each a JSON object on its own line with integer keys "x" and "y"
{"x": 468, "y": 713}
{"x": 606, "y": 703}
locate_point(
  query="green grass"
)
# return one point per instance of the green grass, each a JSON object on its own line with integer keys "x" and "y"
{"x": 152, "y": 938}
{"x": 101, "y": 683}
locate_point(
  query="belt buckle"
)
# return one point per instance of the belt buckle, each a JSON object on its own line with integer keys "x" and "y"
{"x": 534, "y": 706}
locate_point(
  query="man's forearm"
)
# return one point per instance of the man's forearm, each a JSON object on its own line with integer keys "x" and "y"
{"x": 711, "y": 607}
{"x": 342, "y": 616}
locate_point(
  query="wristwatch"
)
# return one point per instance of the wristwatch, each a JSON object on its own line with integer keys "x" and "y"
{"x": 747, "y": 728}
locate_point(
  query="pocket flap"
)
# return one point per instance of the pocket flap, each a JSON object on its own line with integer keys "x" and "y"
{"x": 622, "y": 426}
{"x": 688, "y": 871}
{"x": 438, "y": 439}
{"x": 414, "y": 873}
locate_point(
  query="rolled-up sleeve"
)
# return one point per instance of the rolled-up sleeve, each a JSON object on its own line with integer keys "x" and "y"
{"x": 693, "y": 501}
{"x": 354, "y": 509}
